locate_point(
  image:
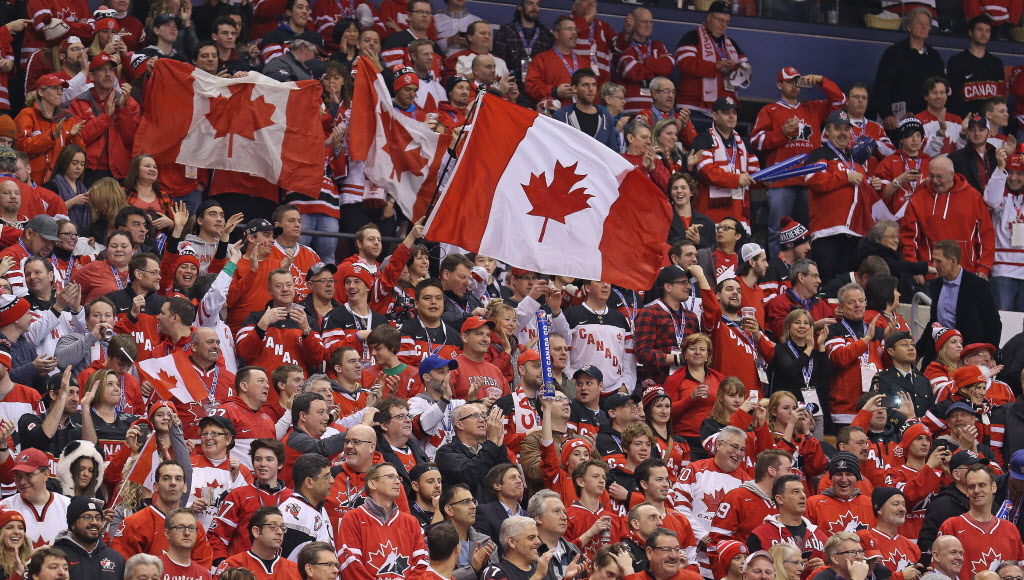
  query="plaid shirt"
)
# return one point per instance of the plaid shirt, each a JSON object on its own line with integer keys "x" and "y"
{"x": 655, "y": 336}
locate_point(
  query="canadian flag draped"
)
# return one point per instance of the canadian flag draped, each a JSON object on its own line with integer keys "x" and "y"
{"x": 252, "y": 124}
{"x": 541, "y": 195}
{"x": 402, "y": 155}
{"x": 169, "y": 382}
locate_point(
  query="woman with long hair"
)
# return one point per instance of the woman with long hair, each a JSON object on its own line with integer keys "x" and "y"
{"x": 102, "y": 401}
{"x": 64, "y": 255}
{"x": 80, "y": 470}
{"x": 734, "y": 406}
{"x": 666, "y": 137}
{"x": 789, "y": 563}
{"x": 949, "y": 343}
{"x": 801, "y": 364}
{"x": 15, "y": 549}
{"x": 693, "y": 391}
{"x": 882, "y": 296}
{"x": 687, "y": 222}
{"x": 101, "y": 277}
{"x": 791, "y": 427}
{"x": 106, "y": 199}
{"x": 612, "y": 562}
{"x": 672, "y": 448}
{"x": 69, "y": 183}
{"x": 143, "y": 191}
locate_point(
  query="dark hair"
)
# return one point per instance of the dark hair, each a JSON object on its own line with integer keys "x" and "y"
{"x": 132, "y": 178}
{"x": 302, "y": 404}
{"x": 122, "y": 346}
{"x": 950, "y": 249}
{"x": 677, "y": 247}
{"x": 583, "y": 73}
{"x": 259, "y": 518}
{"x": 448, "y": 492}
{"x": 643, "y": 471}
{"x": 139, "y": 261}
{"x": 182, "y": 308}
{"x": 308, "y": 555}
{"x": 557, "y": 25}
{"x": 165, "y": 463}
{"x": 496, "y": 475}
{"x": 47, "y": 264}
{"x": 64, "y": 158}
{"x": 779, "y": 487}
{"x": 471, "y": 29}
{"x": 340, "y": 27}
{"x": 979, "y": 19}
{"x": 387, "y": 336}
{"x": 339, "y": 354}
{"x": 116, "y": 233}
{"x": 930, "y": 83}
{"x": 453, "y": 261}
{"x": 281, "y": 373}
{"x": 428, "y": 283}
{"x": 267, "y": 443}
{"x": 580, "y": 471}
{"x": 769, "y": 458}
{"x": 384, "y": 408}
{"x": 99, "y": 300}
{"x": 281, "y": 210}
{"x": 442, "y": 539}
{"x": 980, "y": 467}
{"x": 222, "y": 21}
{"x": 35, "y": 563}
{"x": 427, "y": 2}
{"x": 306, "y": 466}
{"x": 880, "y": 291}
{"x": 242, "y": 376}
{"x": 859, "y": 85}
{"x": 203, "y": 45}
{"x": 844, "y": 434}
{"x": 658, "y": 533}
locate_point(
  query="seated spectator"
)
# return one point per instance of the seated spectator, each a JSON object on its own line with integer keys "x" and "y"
{"x": 883, "y": 240}
{"x": 943, "y": 129}
{"x": 70, "y": 181}
{"x": 806, "y": 280}
{"x": 801, "y": 366}
{"x": 853, "y": 346}
{"x": 790, "y": 525}
{"x": 110, "y": 120}
{"x": 735, "y": 407}
{"x": 843, "y": 507}
{"x": 665, "y": 558}
{"x": 408, "y": 22}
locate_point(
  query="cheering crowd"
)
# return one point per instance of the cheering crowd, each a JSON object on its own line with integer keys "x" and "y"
{"x": 194, "y": 386}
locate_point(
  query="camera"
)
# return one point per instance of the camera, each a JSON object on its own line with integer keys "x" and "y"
{"x": 811, "y": 408}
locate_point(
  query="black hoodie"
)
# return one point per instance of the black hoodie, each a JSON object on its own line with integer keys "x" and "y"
{"x": 949, "y": 503}
{"x": 102, "y": 563}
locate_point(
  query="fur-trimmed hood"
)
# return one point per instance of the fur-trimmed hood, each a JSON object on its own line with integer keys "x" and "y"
{"x": 72, "y": 453}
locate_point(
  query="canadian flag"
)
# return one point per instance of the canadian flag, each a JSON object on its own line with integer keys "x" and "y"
{"x": 169, "y": 382}
{"x": 252, "y": 124}
{"x": 402, "y": 155}
{"x": 543, "y": 196}
{"x": 141, "y": 472}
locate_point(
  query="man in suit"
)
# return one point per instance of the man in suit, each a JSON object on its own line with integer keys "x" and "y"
{"x": 960, "y": 300}
{"x": 505, "y": 483}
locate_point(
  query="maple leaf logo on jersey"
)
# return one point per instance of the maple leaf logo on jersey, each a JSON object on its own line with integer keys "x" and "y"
{"x": 900, "y": 559}
{"x": 558, "y": 199}
{"x": 712, "y": 501}
{"x": 387, "y": 561}
{"x": 107, "y": 564}
{"x": 292, "y": 509}
{"x": 986, "y": 560}
{"x": 845, "y": 523}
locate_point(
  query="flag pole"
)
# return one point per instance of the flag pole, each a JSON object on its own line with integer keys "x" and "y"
{"x": 452, "y": 156}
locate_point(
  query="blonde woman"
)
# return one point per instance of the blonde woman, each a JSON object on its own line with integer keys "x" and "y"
{"x": 101, "y": 406}
{"x": 106, "y": 198}
{"x": 791, "y": 427}
{"x": 15, "y": 549}
{"x": 789, "y": 563}
{"x": 504, "y": 350}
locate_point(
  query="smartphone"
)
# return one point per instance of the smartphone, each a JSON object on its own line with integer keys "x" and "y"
{"x": 806, "y": 554}
{"x": 753, "y": 394}
{"x": 892, "y": 401}
{"x": 143, "y": 433}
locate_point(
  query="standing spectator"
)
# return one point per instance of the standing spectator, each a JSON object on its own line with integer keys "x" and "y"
{"x": 978, "y": 160}
{"x": 522, "y": 40}
{"x": 803, "y": 295}
{"x": 295, "y": 25}
{"x": 110, "y": 121}
{"x": 395, "y": 50}
{"x": 170, "y": 31}
{"x": 273, "y": 336}
{"x": 790, "y": 525}
{"x": 686, "y": 222}
{"x": 976, "y": 74}
{"x": 711, "y": 65}
{"x": 856, "y": 107}
{"x": 838, "y": 212}
{"x": 942, "y": 128}
{"x": 45, "y": 128}
{"x": 475, "y": 377}
{"x": 901, "y": 172}
{"x": 663, "y": 108}
{"x": 452, "y": 24}
{"x": 795, "y": 244}
{"x": 642, "y": 59}
{"x": 82, "y": 541}
{"x": 593, "y": 322}
{"x": 293, "y": 64}
{"x": 585, "y": 114}
{"x": 1008, "y": 269}
{"x": 596, "y": 38}
{"x": 929, "y": 220}
{"x": 642, "y": 154}
{"x": 903, "y": 69}
{"x": 423, "y": 60}
{"x": 550, "y": 72}
{"x": 479, "y": 39}
{"x": 788, "y": 128}
{"x": 662, "y": 326}
{"x": 247, "y": 412}
{"x": 854, "y": 355}
{"x": 725, "y": 163}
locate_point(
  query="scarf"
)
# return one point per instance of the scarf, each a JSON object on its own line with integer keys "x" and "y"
{"x": 80, "y": 214}
{"x": 709, "y": 52}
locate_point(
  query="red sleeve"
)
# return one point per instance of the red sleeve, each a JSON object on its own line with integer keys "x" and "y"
{"x": 831, "y": 179}
{"x": 842, "y": 353}
{"x": 128, "y": 118}
{"x": 972, "y": 9}
{"x": 715, "y": 175}
{"x": 536, "y": 87}
{"x": 695, "y": 66}
{"x": 765, "y": 135}
{"x": 862, "y": 419}
{"x": 910, "y": 231}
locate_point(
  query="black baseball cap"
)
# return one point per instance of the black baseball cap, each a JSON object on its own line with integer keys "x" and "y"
{"x": 220, "y": 421}
{"x": 616, "y": 400}
{"x": 591, "y": 371}
{"x": 320, "y": 267}
{"x": 261, "y": 225}
{"x": 723, "y": 103}
{"x": 838, "y": 117}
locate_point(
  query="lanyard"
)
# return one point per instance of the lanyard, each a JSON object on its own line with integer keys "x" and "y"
{"x": 528, "y": 48}
{"x": 856, "y": 129}
{"x": 117, "y": 277}
{"x": 806, "y": 371}
{"x": 909, "y": 166}
{"x": 677, "y": 328}
{"x": 358, "y": 319}
{"x": 575, "y": 65}
{"x": 430, "y": 343}
{"x": 464, "y": 310}
{"x": 758, "y": 361}
{"x": 842, "y": 159}
{"x": 643, "y": 53}
{"x": 864, "y": 357}
{"x": 630, "y": 312}
{"x": 345, "y": 12}
{"x": 212, "y": 389}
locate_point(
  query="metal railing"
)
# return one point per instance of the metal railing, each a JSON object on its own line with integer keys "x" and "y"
{"x": 916, "y": 327}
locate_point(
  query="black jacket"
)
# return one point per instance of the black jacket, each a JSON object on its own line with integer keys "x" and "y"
{"x": 949, "y": 503}
{"x": 122, "y": 300}
{"x": 458, "y": 464}
{"x": 102, "y": 563}
{"x": 901, "y": 73}
{"x": 677, "y": 231}
{"x": 391, "y": 457}
{"x": 902, "y": 269}
{"x": 977, "y": 318}
{"x": 608, "y": 441}
{"x": 786, "y": 371}
{"x": 965, "y": 162}
{"x": 1002, "y": 485}
{"x": 489, "y": 517}
{"x": 890, "y": 382}
{"x": 1014, "y": 434}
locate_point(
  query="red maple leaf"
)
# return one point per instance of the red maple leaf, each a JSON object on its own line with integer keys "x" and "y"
{"x": 713, "y": 500}
{"x": 239, "y": 114}
{"x": 397, "y": 147}
{"x": 555, "y": 201}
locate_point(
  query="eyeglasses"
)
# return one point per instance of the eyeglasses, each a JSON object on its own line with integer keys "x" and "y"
{"x": 87, "y": 518}
{"x": 274, "y": 527}
{"x": 800, "y": 563}
{"x": 402, "y": 417}
{"x": 851, "y": 553}
{"x": 180, "y": 529}
{"x": 154, "y": 272}
{"x": 1011, "y": 578}
{"x": 724, "y": 228}
{"x": 358, "y": 442}
{"x": 467, "y": 501}
{"x": 735, "y": 447}
{"x": 68, "y": 235}
{"x": 331, "y": 564}
{"x": 473, "y": 416}
{"x": 669, "y": 91}
{"x": 389, "y": 476}
{"x": 212, "y": 434}
{"x": 327, "y": 281}
{"x": 668, "y": 550}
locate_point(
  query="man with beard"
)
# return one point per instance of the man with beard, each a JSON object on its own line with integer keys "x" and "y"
{"x": 899, "y": 553}
{"x": 806, "y": 280}
{"x": 586, "y": 115}
{"x": 841, "y": 507}
{"x": 37, "y": 240}
{"x": 752, "y": 267}
{"x": 452, "y": 113}
{"x": 83, "y": 542}
{"x": 519, "y": 41}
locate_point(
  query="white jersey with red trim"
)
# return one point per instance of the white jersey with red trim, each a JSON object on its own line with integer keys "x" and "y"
{"x": 44, "y": 522}
{"x": 211, "y": 481}
{"x": 1007, "y": 209}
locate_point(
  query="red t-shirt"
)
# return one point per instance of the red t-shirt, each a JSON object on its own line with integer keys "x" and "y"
{"x": 192, "y": 571}
{"x": 494, "y": 383}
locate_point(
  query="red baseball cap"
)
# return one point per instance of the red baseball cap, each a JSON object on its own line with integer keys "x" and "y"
{"x": 51, "y": 80}
{"x": 789, "y": 73}
{"x": 101, "y": 59}
{"x": 30, "y": 460}
{"x": 474, "y": 322}
{"x": 527, "y": 356}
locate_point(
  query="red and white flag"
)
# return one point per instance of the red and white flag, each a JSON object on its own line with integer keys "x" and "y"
{"x": 543, "y": 196}
{"x": 169, "y": 382}
{"x": 402, "y": 155}
{"x": 253, "y": 124}
{"x": 141, "y": 471}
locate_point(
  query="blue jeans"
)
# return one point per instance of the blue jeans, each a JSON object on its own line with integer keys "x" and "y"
{"x": 1008, "y": 292}
{"x": 323, "y": 245}
{"x": 191, "y": 200}
{"x": 784, "y": 201}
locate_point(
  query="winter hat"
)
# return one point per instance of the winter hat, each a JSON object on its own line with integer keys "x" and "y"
{"x": 357, "y": 270}
{"x": 976, "y": 347}
{"x": 572, "y": 444}
{"x": 8, "y": 516}
{"x": 79, "y": 505}
{"x": 844, "y": 461}
{"x": 55, "y": 30}
{"x": 909, "y": 125}
{"x": 12, "y": 308}
{"x": 405, "y": 77}
{"x": 910, "y": 433}
{"x": 156, "y": 407}
{"x": 941, "y": 334}
{"x": 187, "y": 255}
{"x": 880, "y": 495}
{"x": 964, "y": 377}
{"x": 453, "y": 81}
{"x": 101, "y": 59}
{"x": 792, "y": 233}
{"x": 7, "y": 127}
{"x": 727, "y": 550}
{"x": 653, "y": 393}
{"x": 750, "y": 251}
{"x": 1015, "y": 162}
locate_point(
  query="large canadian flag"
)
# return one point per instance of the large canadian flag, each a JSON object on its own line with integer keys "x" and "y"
{"x": 169, "y": 382}
{"x": 541, "y": 195}
{"x": 402, "y": 155}
{"x": 253, "y": 124}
